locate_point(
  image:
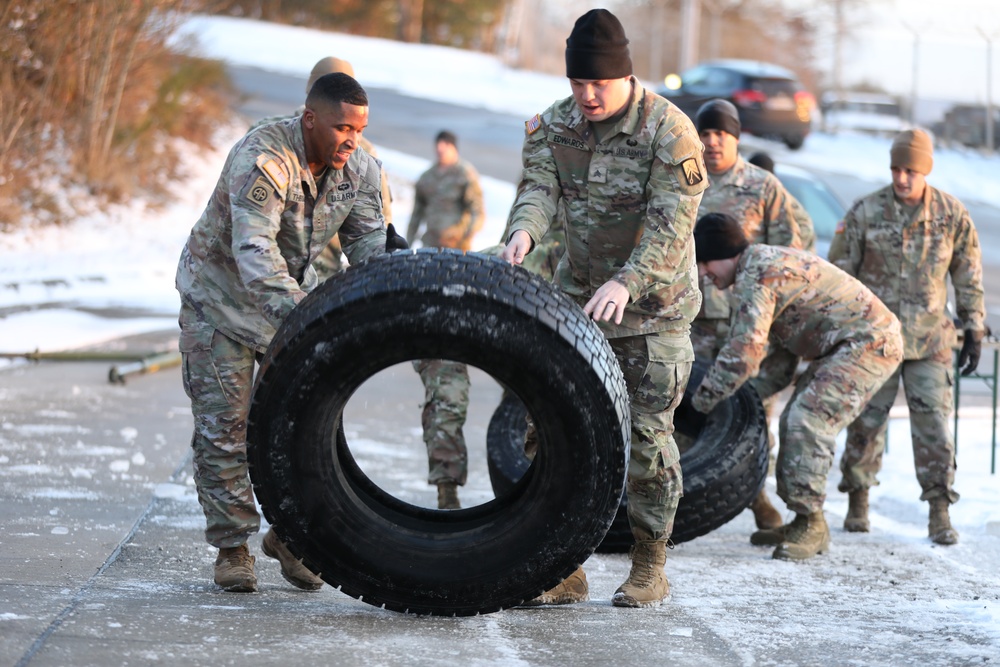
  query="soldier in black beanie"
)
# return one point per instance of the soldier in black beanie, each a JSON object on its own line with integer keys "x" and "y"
{"x": 584, "y": 160}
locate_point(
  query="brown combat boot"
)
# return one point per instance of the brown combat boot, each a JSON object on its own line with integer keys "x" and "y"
{"x": 448, "y": 496}
{"x": 292, "y": 569}
{"x": 806, "y": 536}
{"x": 570, "y": 590}
{"x": 647, "y": 585}
{"x": 764, "y": 514}
{"x": 939, "y": 524}
{"x": 856, "y": 520}
{"x": 234, "y": 570}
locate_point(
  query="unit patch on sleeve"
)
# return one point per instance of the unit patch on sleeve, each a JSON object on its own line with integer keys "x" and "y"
{"x": 692, "y": 173}
{"x": 260, "y": 192}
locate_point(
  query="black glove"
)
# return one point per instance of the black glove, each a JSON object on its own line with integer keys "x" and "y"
{"x": 972, "y": 347}
{"x": 394, "y": 241}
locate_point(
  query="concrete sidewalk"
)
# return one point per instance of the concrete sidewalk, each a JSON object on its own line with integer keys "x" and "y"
{"x": 103, "y": 562}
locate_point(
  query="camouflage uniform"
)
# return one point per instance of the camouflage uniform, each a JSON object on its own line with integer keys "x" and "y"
{"x": 906, "y": 258}
{"x": 756, "y": 198}
{"x": 629, "y": 202}
{"x": 331, "y": 261}
{"x": 448, "y": 200}
{"x": 819, "y": 313}
{"x": 244, "y": 268}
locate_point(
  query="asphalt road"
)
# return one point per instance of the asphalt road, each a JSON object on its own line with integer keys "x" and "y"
{"x": 102, "y": 559}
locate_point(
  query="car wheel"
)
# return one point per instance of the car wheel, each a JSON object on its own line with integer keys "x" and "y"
{"x": 469, "y": 308}
{"x": 723, "y": 460}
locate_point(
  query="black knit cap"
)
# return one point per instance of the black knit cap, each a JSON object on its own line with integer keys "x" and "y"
{"x": 718, "y": 236}
{"x": 597, "y": 48}
{"x": 718, "y": 114}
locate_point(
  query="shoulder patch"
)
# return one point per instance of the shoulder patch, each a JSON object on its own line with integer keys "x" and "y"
{"x": 532, "y": 124}
{"x": 692, "y": 172}
{"x": 841, "y": 225}
{"x": 260, "y": 192}
{"x": 276, "y": 172}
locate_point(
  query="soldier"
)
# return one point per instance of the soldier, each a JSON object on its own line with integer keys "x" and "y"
{"x": 331, "y": 260}
{"x": 448, "y": 200}
{"x": 624, "y": 167}
{"x": 820, "y": 314}
{"x": 285, "y": 190}
{"x": 904, "y": 241}
{"x": 448, "y": 205}
{"x": 756, "y": 198}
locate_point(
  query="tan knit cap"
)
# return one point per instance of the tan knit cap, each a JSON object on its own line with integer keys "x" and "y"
{"x": 328, "y": 65}
{"x": 914, "y": 150}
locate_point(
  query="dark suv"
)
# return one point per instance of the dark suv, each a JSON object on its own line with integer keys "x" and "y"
{"x": 771, "y": 101}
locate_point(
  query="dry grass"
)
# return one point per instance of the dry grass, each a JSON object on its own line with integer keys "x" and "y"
{"x": 90, "y": 95}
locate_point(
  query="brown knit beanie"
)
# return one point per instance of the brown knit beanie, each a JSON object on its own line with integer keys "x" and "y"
{"x": 914, "y": 150}
{"x": 597, "y": 48}
{"x": 328, "y": 65}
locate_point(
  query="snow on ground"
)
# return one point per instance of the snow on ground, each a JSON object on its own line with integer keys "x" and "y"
{"x": 125, "y": 260}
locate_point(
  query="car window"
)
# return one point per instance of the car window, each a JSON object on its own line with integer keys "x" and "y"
{"x": 821, "y": 205}
{"x": 709, "y": 81}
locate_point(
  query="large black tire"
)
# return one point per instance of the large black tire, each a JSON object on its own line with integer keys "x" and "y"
{"x": 468, "y": 308}
{"x": 723, "y": 460}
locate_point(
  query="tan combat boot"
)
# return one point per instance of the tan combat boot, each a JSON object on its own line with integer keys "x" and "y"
{"x": 939, "y": 524}
{"x": 292, "y": 569}
{"x": 806, "y": 536}
{"x": 856, "y": 520}
{"x": 764, "y": 514}
{"x": 647, "y": 585}
{"x": 234, "y": 570}
{"x": 570, "y": 590}
{"x": 448, "y": 496}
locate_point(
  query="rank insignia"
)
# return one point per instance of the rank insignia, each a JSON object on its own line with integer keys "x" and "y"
{"x": 532, "y": 124}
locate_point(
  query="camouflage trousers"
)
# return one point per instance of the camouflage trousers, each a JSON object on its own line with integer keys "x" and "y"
{"x": 656, "y": 369}
{"x": 445, "y": 407}
{"x": 929, "y": 396}
{"x": 832, "y": 391}
{"x": 218, "y": 378}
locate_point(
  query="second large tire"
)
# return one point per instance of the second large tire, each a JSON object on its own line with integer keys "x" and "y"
{"x": 723, "y": 460}
{"x": 468, "y": 308}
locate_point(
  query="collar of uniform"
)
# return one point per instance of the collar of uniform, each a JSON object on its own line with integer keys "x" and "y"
{"x": 299, "y": 144}
{"x": 735, "y": 175}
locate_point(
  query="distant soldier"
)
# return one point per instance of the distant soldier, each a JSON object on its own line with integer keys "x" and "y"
{"x": 767, "y": 213}
{"x": 448, "y": 205}
{"x": 904, "y": 241}
{"x": 623, "y": 169}
{"x": 331, "y": 260}
{"x": 820, "y": 314}
{"x": 285, "y": 190}
{"x": 448, "y": 200}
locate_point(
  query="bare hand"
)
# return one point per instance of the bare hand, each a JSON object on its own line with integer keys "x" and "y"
{"x": 608, "y": 301}
{"x": 518, "y": 246}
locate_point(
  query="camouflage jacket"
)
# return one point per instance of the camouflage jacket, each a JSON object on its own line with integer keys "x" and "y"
{"x": 802, "y": 302}
{"x": 906, "y": 262}
{"x": 629, "y": 204}
{"x": 770, "y": 215}
{"x": 247, "y": 261}
{"x": 448, "y": 202}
